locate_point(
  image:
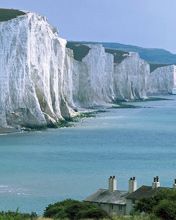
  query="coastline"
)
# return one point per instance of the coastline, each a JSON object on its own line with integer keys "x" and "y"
{"x": 8, "y": 131}
{"x": 91, "y": 112}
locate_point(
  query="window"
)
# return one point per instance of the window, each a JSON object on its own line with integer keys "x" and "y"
{"x": 120, "y": 207}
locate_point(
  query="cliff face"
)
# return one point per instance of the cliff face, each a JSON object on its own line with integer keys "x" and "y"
{"x": 130, "y": 78}
{"x": 100, "y": 75}
{"x": 97, "y": 80}
{"x": 162, "y": 80}
{"x": 42, "y": 81}
{"x": 92, "y": 78}
{"x": 95, "y": 77}
{"x": 31, "y": 73}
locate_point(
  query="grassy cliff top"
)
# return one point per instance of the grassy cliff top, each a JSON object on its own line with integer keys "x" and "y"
{"x": 154, "y": 66}
{"x": 151, "y": 55}
{"x": 79, "y": 50}
{"x": 8, "y": 14}
{"x": 119, "y": 55}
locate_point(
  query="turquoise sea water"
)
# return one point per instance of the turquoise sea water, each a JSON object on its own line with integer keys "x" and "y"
{"x": 38, "y": 168}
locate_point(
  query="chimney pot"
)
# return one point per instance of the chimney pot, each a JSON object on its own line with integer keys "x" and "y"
{"x": 132, "y": 185}
{"x": 156, "y": 182}
{"x": 112, "y": 184}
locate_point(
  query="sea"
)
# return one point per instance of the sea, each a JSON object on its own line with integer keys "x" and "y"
{"x": 42, "y": 167}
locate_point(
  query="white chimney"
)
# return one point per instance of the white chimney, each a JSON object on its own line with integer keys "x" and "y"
{"x": 132, "y": 184}
{"x": 156, "y": 182}
{"x": 174, "y": 185}
{"x": 112, "y": 184}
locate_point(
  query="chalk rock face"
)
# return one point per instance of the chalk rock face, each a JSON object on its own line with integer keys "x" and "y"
{"x": 100, "y": 76}
{"x": 74, "y": 71}
{"x": 32, "y": 60}
{"x": 41, "y": 82}
{"x": 75, "y": 78}
{"x": 130, "y": 78}
{"x": 94, "y": 77}
{"x": 162, "y": 80}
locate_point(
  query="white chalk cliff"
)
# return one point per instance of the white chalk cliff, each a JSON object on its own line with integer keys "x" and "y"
{"x": 31, "y": 73}
{"x": 41, "y": 82}
{"x": 130, "y": 78}
{"x": 162, "y": 80}
{"x": 93, "y": 78}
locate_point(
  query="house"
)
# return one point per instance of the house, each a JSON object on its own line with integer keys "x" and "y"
{"x": 112, "y": 200}
{"x": 119, "y": 202}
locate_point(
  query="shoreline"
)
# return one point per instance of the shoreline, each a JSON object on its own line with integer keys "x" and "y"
{"x": 4, "y": 131}
{"x": 91, "y": 112}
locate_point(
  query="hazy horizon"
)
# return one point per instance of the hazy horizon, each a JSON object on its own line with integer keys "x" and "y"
{"x": 142, "y": 23}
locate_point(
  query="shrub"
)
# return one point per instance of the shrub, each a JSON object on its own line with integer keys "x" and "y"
{"x": 73, "y": 209}
{"x": 94, "y": 213}
{"x": 146, "y": 205}
{"x": 17, "y": 216}
{"x": 162, "y": 204}
{"x": 166, "y": 210}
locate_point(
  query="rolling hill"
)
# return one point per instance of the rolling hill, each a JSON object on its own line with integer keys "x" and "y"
{"x": 152, "y": 56}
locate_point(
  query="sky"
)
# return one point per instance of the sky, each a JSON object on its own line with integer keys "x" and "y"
{"x": 146, "y": 23}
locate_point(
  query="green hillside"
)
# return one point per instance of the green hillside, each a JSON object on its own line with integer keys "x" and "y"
{"x": 8, "y": 14}
{"x": 155, "y": 66}
{"x": 79, "y": 50}
{"x": 156, "y": 56}
{"x": 119, "y": 55}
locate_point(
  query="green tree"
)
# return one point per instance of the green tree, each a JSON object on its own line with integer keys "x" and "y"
{"x": 166, "y": 210}
{"x": 162, "y": 204}
{"x": 74, "y": 210}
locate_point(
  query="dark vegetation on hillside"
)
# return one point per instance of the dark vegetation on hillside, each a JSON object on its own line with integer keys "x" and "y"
{"x": 79, "y": 50}
{"x": 17, "y": 216}
{"x": 8, "y": 14}
{"x": 119, "y": 55}
{"x": 74, "y": 210}
{"x": 159, "y": 56}
{"x": 155, "y": 66}
{"x": 162, "y": 204}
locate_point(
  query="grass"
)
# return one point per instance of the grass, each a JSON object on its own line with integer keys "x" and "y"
{"x": 119, "y": 55}
{"x": 136, "y": 217}
{"x": 8, "y": 14}
{"x": 79, "y": 50}
{"x": 154, "y": 66}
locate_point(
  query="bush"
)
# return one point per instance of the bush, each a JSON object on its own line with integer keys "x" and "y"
{"x": 94, "y": 213}
{"x": 73, "y": 209}
{"x": 166, "y": 210}
{"x": 162, "y": 204}
{"x": 146, "y": 205}
{"x": 17, "y": 216}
